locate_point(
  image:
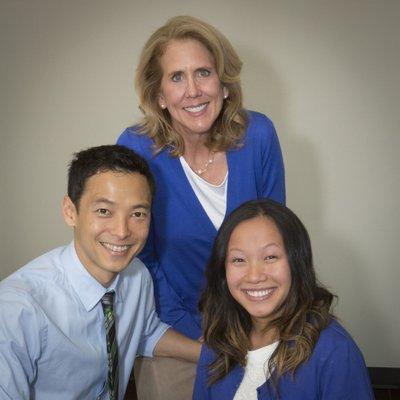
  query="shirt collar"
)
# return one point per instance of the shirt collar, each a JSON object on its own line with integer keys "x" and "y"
{"x": 88, "y": 289}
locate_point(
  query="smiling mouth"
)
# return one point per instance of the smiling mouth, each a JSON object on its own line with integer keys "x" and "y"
{"x": 116, "y": 248}
{"x": 259, "y": 294}
{"x": 196, "y": 109}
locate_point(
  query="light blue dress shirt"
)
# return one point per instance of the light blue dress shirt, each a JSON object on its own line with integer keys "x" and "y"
{"x": 52, "y": 336}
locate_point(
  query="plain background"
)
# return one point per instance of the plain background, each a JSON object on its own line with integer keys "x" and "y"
{"x": 326, "y": 72}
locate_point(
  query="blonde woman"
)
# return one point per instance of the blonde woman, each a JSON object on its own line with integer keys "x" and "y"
{"x": 207, "y": 153}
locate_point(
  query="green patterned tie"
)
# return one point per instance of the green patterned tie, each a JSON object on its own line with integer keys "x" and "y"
{"x": 107, "y": 301}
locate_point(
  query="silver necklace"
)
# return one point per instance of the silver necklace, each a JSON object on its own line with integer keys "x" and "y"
{"x": 209, "y": 161}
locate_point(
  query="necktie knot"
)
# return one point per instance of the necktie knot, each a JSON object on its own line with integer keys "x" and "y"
{"x": 108, "y": 299}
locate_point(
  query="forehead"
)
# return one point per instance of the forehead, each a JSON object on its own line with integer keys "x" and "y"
{"x": 180, "y": 51}
{"x": 256, "y": 230}
{"x": 117, "y": 186}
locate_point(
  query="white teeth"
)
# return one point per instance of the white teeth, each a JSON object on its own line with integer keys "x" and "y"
{"x": 116, "y": 248}
{"x": 196, "y": 109}
{"x": 258, "y": 293}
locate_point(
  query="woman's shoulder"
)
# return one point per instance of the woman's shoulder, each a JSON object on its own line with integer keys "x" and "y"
{"x": 136, "y": 140}
{"x": 259, "y": 125}
{"x": 335, "y": 341}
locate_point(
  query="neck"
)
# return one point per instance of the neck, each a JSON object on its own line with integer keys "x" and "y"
{"x": 194, "y": 142}
{"x": 260, "y": 337}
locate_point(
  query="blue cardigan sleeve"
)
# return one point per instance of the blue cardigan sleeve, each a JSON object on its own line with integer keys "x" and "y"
{"x": 345, "y": 376}
{"x": 270, "y": 172}
{"x": 200, "y": 390}
{"x": 335, "y": 371}
{"x": 168, "y": 303}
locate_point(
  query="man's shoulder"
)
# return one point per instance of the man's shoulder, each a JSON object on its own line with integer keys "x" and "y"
{"x": 136, "y": 272}
{"x": 34, "y": 276}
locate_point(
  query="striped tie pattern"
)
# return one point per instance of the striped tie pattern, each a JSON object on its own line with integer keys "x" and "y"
{"x": 107, "y": 301}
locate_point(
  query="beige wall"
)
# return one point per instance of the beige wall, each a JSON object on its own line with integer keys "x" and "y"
{"x": 326, "y": 72}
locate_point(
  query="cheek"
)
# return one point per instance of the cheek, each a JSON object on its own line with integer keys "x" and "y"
{"x": 215, "y": 89}
{"x": 171, "y": 94}
{"x": 140, "y": 230}
{"x": 285, "y": 277}
{"x": 233, "y": 278}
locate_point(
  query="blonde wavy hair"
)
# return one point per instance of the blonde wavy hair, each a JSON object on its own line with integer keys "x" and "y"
{"x": 231, "y": 123}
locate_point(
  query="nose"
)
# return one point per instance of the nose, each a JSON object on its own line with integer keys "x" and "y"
{"x": 256, "y": 273}
{"x": 192, "y": 88}
{"x": 120, "y": 228}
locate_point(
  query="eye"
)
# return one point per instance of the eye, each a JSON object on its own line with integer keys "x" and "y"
{"x": 103, "y": 212}
{"x": 271, "y": 257}
{"x": 140, "y": 214}
{"x": 237, "y": 260}
{"x": 203, "y": 73}
{"x": 177, "y": 77}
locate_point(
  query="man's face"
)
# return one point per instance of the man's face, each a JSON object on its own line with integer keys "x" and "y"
{"x": 112, "y": 223}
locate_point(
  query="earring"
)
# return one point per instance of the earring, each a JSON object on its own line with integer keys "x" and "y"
{"x": 225, "y": 96}
{"x": 163, "y": 106}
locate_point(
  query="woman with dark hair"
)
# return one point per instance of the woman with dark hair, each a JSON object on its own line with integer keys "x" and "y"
{"x": 268, "y": 329}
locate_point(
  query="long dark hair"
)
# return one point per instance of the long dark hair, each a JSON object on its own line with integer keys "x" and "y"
{"x": 300, "y": 319}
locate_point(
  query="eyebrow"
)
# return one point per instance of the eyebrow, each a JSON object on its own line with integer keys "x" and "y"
{"x": 264, "y": 247}
{"x": 103, "y": 200}
{"x": 180, "y": 71}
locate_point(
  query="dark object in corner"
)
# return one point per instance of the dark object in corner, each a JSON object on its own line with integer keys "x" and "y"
{"x": 385, "y": 382}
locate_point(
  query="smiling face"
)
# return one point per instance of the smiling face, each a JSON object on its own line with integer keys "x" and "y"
{"x": 257, "y": 269}
{"x": 190, "y": 87}
{"x": 112, "y": 222}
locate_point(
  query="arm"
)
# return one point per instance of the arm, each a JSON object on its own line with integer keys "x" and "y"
{"x": 169, "y": 305}
{"x": 272, "y": 168}
{"x": 174, "y": 344}
{"x": 200, "y": 391}
{"x": 20, "y": 346}
{"x": 344, "y": 375}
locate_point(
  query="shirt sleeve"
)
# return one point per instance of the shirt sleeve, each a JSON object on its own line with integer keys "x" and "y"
{"x": 344, "y": 375}
{"x": 168, "y": 304}
{"x": 200, "y": 391}
{"x": 273, "y": 172}
{"x": 21, "y": 338}
{"x": 154, "y": 329}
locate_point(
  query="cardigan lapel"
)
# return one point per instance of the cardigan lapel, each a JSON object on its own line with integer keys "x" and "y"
{"x": 187, "y": 195}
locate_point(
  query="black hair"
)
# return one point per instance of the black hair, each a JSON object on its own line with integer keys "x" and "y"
{"x": 89, "y": 162}
{"x": 299, "y": 320}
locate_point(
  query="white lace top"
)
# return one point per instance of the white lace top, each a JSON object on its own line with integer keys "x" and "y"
{"x": 256, "y": 372}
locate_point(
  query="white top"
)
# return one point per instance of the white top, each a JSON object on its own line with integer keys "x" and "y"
{"x": 256, "y": 372}
{"x": 211, "y": 197}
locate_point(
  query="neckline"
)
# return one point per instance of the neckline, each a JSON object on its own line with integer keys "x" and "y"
{"x": 186, "y": 167}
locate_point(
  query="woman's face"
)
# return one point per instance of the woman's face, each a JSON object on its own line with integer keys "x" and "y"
{"x": 190, "y": 87}
{"x": 257, "y": 269}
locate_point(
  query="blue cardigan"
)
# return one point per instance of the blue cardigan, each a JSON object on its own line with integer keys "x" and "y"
{"x": 335, "y": 371}
{"x": 181, "y": 234}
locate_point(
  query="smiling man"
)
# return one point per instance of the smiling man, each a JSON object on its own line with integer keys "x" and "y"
{"x": 73, "y": 320}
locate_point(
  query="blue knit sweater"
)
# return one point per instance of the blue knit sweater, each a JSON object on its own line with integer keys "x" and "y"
{"x": 181, "y": 234}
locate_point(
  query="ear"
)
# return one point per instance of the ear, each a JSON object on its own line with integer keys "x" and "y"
{"x": 161, "y": 101}
{"x": 69, "y": 212}
{"x": 225, "y": 91}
